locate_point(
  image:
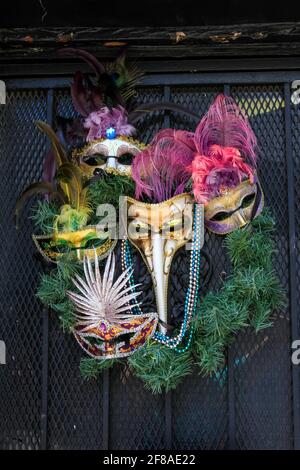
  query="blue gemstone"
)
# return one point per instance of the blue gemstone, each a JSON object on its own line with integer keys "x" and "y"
{"x": 111, "y": 133}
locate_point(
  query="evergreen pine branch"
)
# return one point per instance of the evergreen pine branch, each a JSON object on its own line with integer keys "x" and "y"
{"x": 66, "y": 314}
{"x": 159, "y": 367}
{"x": 249, "y": 296}
{"x": 210, "y": 354}
{"x": 265, "y": 222}
{"x": 53, "y": 287}
{"x": 90, "y": 368}
{"x": 107, "y": 190}
{"x": 261, "y": 316}
{"x": 248, "y": 247}
{"x": 220, "y": 315}
{"x": 257, "y": 285}
{"x": 44, "y": 215}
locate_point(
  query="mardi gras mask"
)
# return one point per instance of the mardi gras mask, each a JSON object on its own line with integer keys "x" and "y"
{"x": 81, "y": 243}
{"x": 158, "y": 231}
{"x": 223, "y": 170}
{"x": 112, "y": 155}
{"x": 105, "y": 327}
{"x": 108, "y": 341}
{"x": 235, "y": 208}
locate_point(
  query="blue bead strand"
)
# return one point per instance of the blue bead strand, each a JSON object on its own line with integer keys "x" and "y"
{"x": 190, "y": 303}
{"x": 194, "y": 273}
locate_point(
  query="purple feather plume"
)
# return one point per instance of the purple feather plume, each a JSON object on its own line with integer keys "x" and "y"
{"x": 226, "y": 125}
{"x": 98, "y": 121}
{"x": 163, "y": 169}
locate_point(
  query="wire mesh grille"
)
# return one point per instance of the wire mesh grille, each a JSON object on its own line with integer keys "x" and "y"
{"x": 22, "y": 148}
{"x": 295, "y": 115}
{"x": 197, "y": 422}
{"x": 200, "y": 407}
{"x": 260, "y": 423}
{"x": 74, "y": 405}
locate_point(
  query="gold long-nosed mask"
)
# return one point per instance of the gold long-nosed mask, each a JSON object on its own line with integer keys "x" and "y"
{"x": 158, "y": 231}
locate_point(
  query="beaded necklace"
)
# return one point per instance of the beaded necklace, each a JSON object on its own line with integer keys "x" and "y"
{"x": 191, "y": 295}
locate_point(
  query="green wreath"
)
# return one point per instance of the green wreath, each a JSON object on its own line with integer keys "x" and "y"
{"x": 248, "y": 297}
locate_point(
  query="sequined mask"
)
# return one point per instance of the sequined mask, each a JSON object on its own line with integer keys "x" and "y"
{"x": 108, "y": 341}
{"x": 105, "y": 326}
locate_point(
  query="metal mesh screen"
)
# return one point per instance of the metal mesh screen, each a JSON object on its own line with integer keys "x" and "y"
{"x": 22, "y": 147}
{"x": 260, "y": 423}
{"x": 250, "y": 406}
{"x": 74, "y": 405}
{"x": 198, "y": 422}
{"x": 295, "y": 116}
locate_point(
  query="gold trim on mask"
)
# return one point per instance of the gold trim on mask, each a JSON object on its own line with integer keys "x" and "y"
{"x": 88, "y": 170}
{"x": 115, "y": 171}
{"x": 82, "y": 152}
{"x": 160, "y": 221}
{"x": 231, "y": 203}
{"x": 106, "y": 341}
{"x": 73, "y": 242}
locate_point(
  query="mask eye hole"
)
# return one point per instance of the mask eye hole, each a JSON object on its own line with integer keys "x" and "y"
{"x": 60, "y": 249}
{"x": 220, "y": 216}
{"x": 125, "y": 158}
{"x": 94, "y": 243}
{"x": 142, "y": 229}
{"x": 173, "y": 225}
{"x": 94, "y": 160}
{"x": 61, "y": 246}
{"x": 138, "y": 229}
{"x": 248, "y": 200}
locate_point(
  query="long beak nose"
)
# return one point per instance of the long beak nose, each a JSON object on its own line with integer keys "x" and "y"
{"x": 160, "y": 279}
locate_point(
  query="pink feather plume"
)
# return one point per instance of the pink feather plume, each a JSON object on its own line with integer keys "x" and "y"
{"x": 223, "y": 168}
{"x": 226, "y": 125}
{"x": 163, "y": 169}
{"x": 225, "y": 142}
{"x": 215, "y": 156}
